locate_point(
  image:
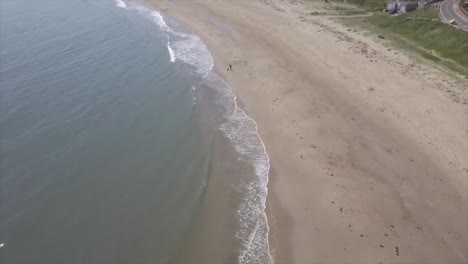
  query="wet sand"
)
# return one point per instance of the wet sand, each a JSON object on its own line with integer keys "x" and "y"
{"x": 368, "y": 146}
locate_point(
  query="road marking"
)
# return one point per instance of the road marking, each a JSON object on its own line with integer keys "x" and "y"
{"x": 456, "y": 8}
{"x": 441, "y": 13}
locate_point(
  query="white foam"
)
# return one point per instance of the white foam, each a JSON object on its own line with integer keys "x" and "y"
{"x": 139, "y": 8}
{"x": 191, "y": 50}
{"x": 171, "y": 52}
{"x": 120, "y": 3}
{"x": 194, "y": 93}
{"x": 187, "y": 47}
{"x": 159, "y": 20}
{"x": 242, "y": 132}
{"x": 182, "y": 46}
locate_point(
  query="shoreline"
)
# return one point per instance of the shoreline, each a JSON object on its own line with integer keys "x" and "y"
{"x": 250, "y": 187}
{"x": 360, "y": 173}
{"x": 280, "y": 225}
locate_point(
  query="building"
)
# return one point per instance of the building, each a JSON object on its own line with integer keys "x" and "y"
{"x": 401, "y": 6}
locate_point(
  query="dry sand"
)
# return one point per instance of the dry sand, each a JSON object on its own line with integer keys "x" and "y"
{"x": 368, "y": 147}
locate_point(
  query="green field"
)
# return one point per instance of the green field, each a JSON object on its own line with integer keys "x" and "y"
{"x": 441, "y": 39}
{"x": 428, "y": 12}
{"x": 419, "y": 31}
{"x": 371, "y": 5}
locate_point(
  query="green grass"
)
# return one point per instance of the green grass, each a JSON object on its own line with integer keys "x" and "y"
{"x": 338, "y": 9}
{"x": 428, "y": 12}
{"x": 347, "y": 10}
{"x": 420, "y": 32}
{"x": 432, "y": 35}
{"x": 371, "y": 5}
{"x": 365, "y": 5}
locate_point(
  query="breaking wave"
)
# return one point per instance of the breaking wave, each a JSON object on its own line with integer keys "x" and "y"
{"x": 239, "y": 128}
{"x": 120, "y": 3}
{"x": 171, "y": 52}
{"x": 242, "y": 131}
{"x": 187, "y": 48}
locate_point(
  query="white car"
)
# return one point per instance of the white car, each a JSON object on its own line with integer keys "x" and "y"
{"x": 452, "y": 22}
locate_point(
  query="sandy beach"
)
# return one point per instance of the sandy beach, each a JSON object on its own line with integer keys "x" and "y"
{"x": 368, "y": 145}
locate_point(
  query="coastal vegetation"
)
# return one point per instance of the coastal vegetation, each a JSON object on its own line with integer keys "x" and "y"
{"x": 369, "y": 5}
{"x": 420, "y": 31}
{"x": 438, "y": 39}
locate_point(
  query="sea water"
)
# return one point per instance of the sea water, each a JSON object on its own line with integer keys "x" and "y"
{"x": 120, "y": 144}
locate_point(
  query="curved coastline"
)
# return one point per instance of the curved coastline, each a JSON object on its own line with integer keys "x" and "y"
{"x": 238, "y": 127}
{"x": 347, "y": 162}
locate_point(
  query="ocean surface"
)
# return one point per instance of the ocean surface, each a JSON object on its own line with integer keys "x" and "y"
{"x": 120, "y": 144}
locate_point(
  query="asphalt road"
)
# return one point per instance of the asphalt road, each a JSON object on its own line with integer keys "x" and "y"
{"x": 450, "y": 9}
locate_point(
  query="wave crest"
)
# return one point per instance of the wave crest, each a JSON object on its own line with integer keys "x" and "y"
{"x": 187, "y": 47}
{"x": 171, "y": 52}
{"x": 239, "y": 128}
{"x": 242, "y": 131}
{"x": 120, "y": 3}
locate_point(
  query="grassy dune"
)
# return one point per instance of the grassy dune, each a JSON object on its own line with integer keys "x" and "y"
{"x": 432, "y": 35}
{"x": 371, "y": 5}
{"x": 419, "y": 31}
